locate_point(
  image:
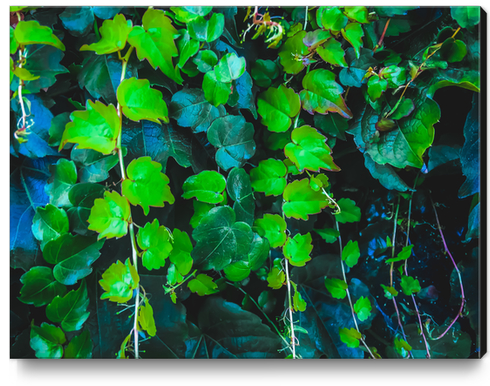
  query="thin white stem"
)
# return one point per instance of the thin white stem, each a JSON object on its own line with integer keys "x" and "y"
{"x": 293, "y": 338}
{"x": 306, "y": 17}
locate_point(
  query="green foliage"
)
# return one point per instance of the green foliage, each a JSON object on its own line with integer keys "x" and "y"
{"x": 409, "y": 285}
{"x": 466, "y": 16}
{"x": 269, "y": 177}
{"x": 276, "y": 278}
{"x": 40, "y": 287}
{"x": 349, "y": 212}
{"x": 336, "y": 287}
{"x": 47, "y": 341}
{"x": 363, "y": 308}
{"x": 31, "y": 32}
{"x": 203, "y": 285}
{"x": 63, "y": 177}
{"x": 110, "y": 215}
{"x": 146, "y": 320}
{"x": 71, "y": 310}
{"x": 350, "y": 336}
{"x": 297, "y": 249}
{"x": 402, "y": 347}
{"x": 206, "y": 186}
{"x": 404, "y": 254}
{"x": 277, "y": 106}
{"x": 80, "y": 347}
{"x": 119, "y": 281}
{"x": 49, "y": 223}
{"x": 351, "y": 253}
{"x": 207, "y": 30}
{"x": 274, "y": 229}
{"x": 114, "y": 35}
{"x": 154, "y": 240}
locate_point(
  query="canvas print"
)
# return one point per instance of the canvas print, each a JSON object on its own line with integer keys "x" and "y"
{"x": 246, "y": 182}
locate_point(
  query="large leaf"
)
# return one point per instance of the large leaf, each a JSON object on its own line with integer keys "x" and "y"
{"x": 332, "y": 52}
{"x": 470, "y": 155}
{"x": 40, "y": 287}
{"x": 43, "y": 61}
{"x": 308, "y": 150}
{"x": 154, "y": 240}
{"x": 297, "y": 249}
{"x": 109, "y": 215}
{"x": 269, "y": 177}
{"x": 300, "y": 200}
{"x": 92, "y": 165}
{"x": 114, "y": 34}
{"x": 31, "y": 32}
{"x": 215, "y": 91}
{"x": 47, "y": 341}
{"x": 63, "y": 177}
{"x": 71, "y": 310}
{"x": 277, "y": 106}
{"x": 331, "y": 18}
{"x": 240, "y": 191}
{"x": 466, "y": 16}
{"x": 49, "y": 223}
{"x": 118, "y": 281}
{"x": 206, "y": 186}
{"x": 80, "y": 20}
{"x": 349, "y": 212}
{"x": 273, "y": 227}
{"x": 233, "y": 137}
{"x": 322, "y": 94}
{"x": 220, "y": 240}
{"x": 385, "y": 174}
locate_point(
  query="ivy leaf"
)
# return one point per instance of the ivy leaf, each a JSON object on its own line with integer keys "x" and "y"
{"x": 82, "y": 198}
{"x": 331, "y": 18}
{"x": 402, "y": 347}
{"x": 292, "y": 52}
{"x": 77, "y": 20}
{"x": 205, "y": 60}
{"x": 109, "y": 216}
{"x": 40, "y": 287}
{"x": 229, "y": 67}
{"x": 13, "y": 43}
{"x": 376, "y": 87}
{"x": 240, "y": 191}
{"x": 63, "y": 177}
{"x": 95, "y": 128}
{"x": 264, "y": 72}
{"x": 237, "y": 271}
{"x": 309, "y": 151}
{"x": 466, "y": 16}
{"x": 336, "y": 287}
{"x": 220, "y": 240}
{"x": 332, "y": 52}
{"x": 57, "y": 128}
{"x": 31, "y": 32}
{"x": 187, "y": 46}
{"x": 203, "y": 285}
{"x": 409, "y": 285}
{"x": 470, "y": 160}
{"x": 353, "y": 33}
{"x": 139, "y": 101}
{"x": 322, "y": 94}
{"x": 155, "y": 42}
{"x": 269, "y": 177}
{"x": 404, "y": 254}
{"x": 396, "y": 76}
{"x": 47, "y": 341}
{"x": 71, "y": 310}
{"x": 200, "y": 209}
{"x": 206, "y": 186}
{"x": 404, "y": 109}
{"x": 118, "y": 281}
{"x": 92, "y": 165}
{"x": 233, "y": 136}
{"x": 114, "y": 34}
{"x": 215, "y": 92}
{"x": 146, "y": 185}
{"x": 359, "y": 14}
{"x": 154, "y": 240}
{"x": 353, "y": 76}
{"x": 274, "y": 228}
{"x": 350, "y": 336}
{"x": 246, "y": 94}
{"x": 297, "y": 249}
{"x": 386, "y": 175}
{"x": 181, "y": 251}
{"x": 146, "y": 320}
{"x": 349, "y": 212}
{"x": 390, "y": 292}
{"x": 276, "y": 278}
{"x": 299, "y": 303}
{"x": 314, "y": 38}
{"x": 258, "y": 253}
{"x": 24, "y": 74}
{"x": 49, "y": 223}
{"x": 73, "y": 256}
{"x": 187, "y": 14}
{"x": 301, "y": 200}
{"x": 277, "y": 106}
{"x": 80, "y": 347}
{"x": 207, "y": 30}
{"x": 333, "y": 125}
{"x": 190, "y": 108}
{"x": 351, "y": 253}
{"x": 328, "y": 234}
{"x": 363, "y": 308}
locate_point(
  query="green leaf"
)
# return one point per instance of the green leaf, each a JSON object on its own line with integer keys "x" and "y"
{"x": 230, "y": 67}
{"x": 215, "y": 92}
{"x": 390, "y": 292}
{"x": 95, "y": 128}
{"x": 314, "y": 38}
{"x": 331, "y": 18}
{"x": 404, "y": 109}
{"x": 309, "y": 151}
{"x": 277, "y": 106}
{"x": 200, "y": 209}
{"x": 350, "y": 336}
{"x": 80, "y": 347}
{"x": 118, "y": 281}
{"x": 351, "y": 253}
{"x": 336, "y": 287}
{"x": 359, "y": 14}
{"x": 63, "y": 177}
{"x": 82, "y": 198}
{"x": 109, "y": 215}
{"x": 264, "y": 72}
{"x": 297, "y": 249}
{"x": 57, "y": 127}
{"x": 363, "y": 308}
{"x": 146, "y": 185}
{"x": 40, "y": 287}
{"x": 155, "y": 42}
{"x": 71, "y": 310}
{"x": 181, "y": 251}
{"x": 73, "y": 256}
{"x": 13, "y": 43}
{"x": 154, "y": 240}
{"x": 207, "y": 30}
{"x": 332, "y": 52}
{"x": 404, "y": 254}
{"x": 31, "y": 32}
{"x": 292, "y": 52}
{"x": 221, "y": 240}
{"x": 410, "y": 285}
{"x": 237, "y": 271}
{"x": 92, "y": 165}
{"x": 331, "y": 124}
{"x": 258, "y": 253}
{"x": 146, "y": 320}
{"x": 187, "y": 46}
{"x": 24, "y": 74}
{"x": 349, "y": 212}
{"x": 114, "y": 34}
{"x": 376, "y": 87}
{"x": 269, "y": 177}
{"x": 205, "y": 60}
{"x": 301, "y": 200}
{"x": 328, "y": 234}
{"x": 322, "y": 94}
{"x": 240, "y": 191}
{"x": 203, "y": 285}
{"x": 396, "y": 76}
{"x": 276, "y": 278}
{"x": 386, "y": 175}
{"x": 466, "y": 16}
{"x": 187, "y": 14}
{"x": 233, "y": 136}
{"x": 274, "y": 228}
{"x": 402, "y": 347}
{"x": 139, "y": 101}
{"x": 453, "y": 50}
{"x": 49, "y": 223}
{"x": 47, "y": 341}
{"x": 299, "y": 303}
{"x": 206, "y": 186}
{"x": 353, "y": 33}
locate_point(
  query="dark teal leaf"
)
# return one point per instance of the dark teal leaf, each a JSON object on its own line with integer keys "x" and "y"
{"x": 240, "y": 191}
{"x": 474, "y": 224}
{"x": 63, "y": 177}
{"x": 57, "y": 128}
{"x": 332, "y": 124}
{"x": 264, "y": 72}
{"x": 470, "y": 155}
{"x": 82, "y": 197}
{"x": 246, "y": 97}
{"x": 92, "y": 165}
{"x": 78, "y": 20}
{"x": 386, "y": 175}
{"x": 353, "y": 75}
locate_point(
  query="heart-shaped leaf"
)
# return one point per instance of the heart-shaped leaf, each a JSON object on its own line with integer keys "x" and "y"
{"x": 109, "y": 215}
{"x": 49, "y": 223}
{"x": 207, "y": 30}
{"x": 206, "y": 186}
{"x": 277, "y": 106}
{"x": 154, "y": 240}
{"x": 301, "y": 200}
{"x": 63, "y": 177}
{"x": 118, "y": 281}
{"x": 269, "y": 177}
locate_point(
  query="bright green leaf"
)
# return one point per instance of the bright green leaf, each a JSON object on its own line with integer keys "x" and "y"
{"x": 390, "y": 292}
{"x": 63, "y": 177}
{"x": 299, "y": 303}
{"x": 404, "y": 254}
{"x": 402, "y": 347}
{"x": 276, "y": 278}
{"x": 292, "y": 52}
{"x": 297, "y": 249}
{"x": 301, "y": 200}
{"x": 207, "y": 30}
{"x": 31, "y": 32}
{"x": 359, "y": 14}
{"x": 332, "y": 52}
{"x": 187, "y": 46}
{"x": 109, "y": 215}
{"x": 49, "y": 223}
{"x": 80, "y": 347}
{"x": 215, "y": 92}
{"x": 237, "y": 271}
{"x": 154, "y": 240}
{"x": 229, "y": 67}
{"x": 353, "y": 33}
{"x": 363, "y": 308}
{"x": 351, "y": 253}
{"x": 47, "y": 341}
{"x": 146, "y": 320}
{"x": 13, "y": 43}
{"x": 118, "y": 281}
{"x": 181, "y": 251}
{"x": 274, "y": 228}
{"x": 349, "y": 212}
{"x": 269, "y": 177}
{"x": 277, "y": 106}
{"x": 24, "y": 74}
{"x": 40, "y": 287}
{"x": 114, "y": 34}
{"x": 350, "y": 337}
{"x": 336, "y": 287}
{"x": 410, "y": 285}
{"x": 376, "y": 87}
{"x": 205, "y": 60}
{"x": 203, "y": 285}
{"x": 200, "y": 209}
{"x": 206, "y": 186}
{"x": 328, "y": 234}
{"x": 331, "y": 18}
{"x": 187, "y": 14}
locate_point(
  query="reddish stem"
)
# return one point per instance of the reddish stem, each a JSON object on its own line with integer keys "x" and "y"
{"x": 382, "y": 36}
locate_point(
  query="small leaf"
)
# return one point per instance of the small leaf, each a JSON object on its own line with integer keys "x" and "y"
{"x": 187, "y": 14}
{"x": 404, "y": 109}
{"x": 109, "y": 215}
{"x": 114, "y": 34}
{"x": 276, "y": 278}
{"x": 404, "y": 254}
{"x": 292, "y": 52}
{"x": 203, "y": 285}
{"x": 350, "y": 337}
{"x": 80, "y": 347}
{"x": 24, "y": 74}
{"x": 63, "y": 178}
{"x": 207, "y": 30}
{"x": 146, "y": 185}
{"x": 328, "y": 234}
{"x": 363, "y": 308}
{"x": 299, "y": 303}
{"x": 353, "y": 33}
{"x": 390, "y": 292}
{"x": 336, "y": 287}
{"x": 277, "y": 106}
{"x": 49, "y": 223}
{"x": 410, "y": 285}
{"x": 237, "y": 271}
{"x": 297, "y": 249}
{"x": 229, "y": 67}
{"x": 301, "y": 200}
{"x": 118, "y": 281}
{"x": 31, "y": 32}
{"x": 274, "y": 228}
{"x": 205, "y": 60}
{"x": 206, "y": 186}
{"x": 332, "y": 52}
{"x": 187, "y": 46}
{"x": 154, "y": 240}
{"x": 47, "y": 341}
{"x": 181, "y": 251}
{"x": 331, "y": 18}
{"x": 349, "y": 212}
{"x": 402, "y": 347}
{"x": 359, "y": 14}
{"x": 264, "y": 72}
{"x": 40, "y": 287}
{"x": 146, "y": 320}
{"x": 376, "y": 87}
{"x": 351, "y": 253}
{"x": 215, "y": 92}
{"x": 269, "y": 177}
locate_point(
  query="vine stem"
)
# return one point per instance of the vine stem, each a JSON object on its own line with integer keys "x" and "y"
{"x": 293, "y": 338}
{"x": 348, "y": 293}
{"x": 463, "y": 299}
{"x": 380, "y": 42}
